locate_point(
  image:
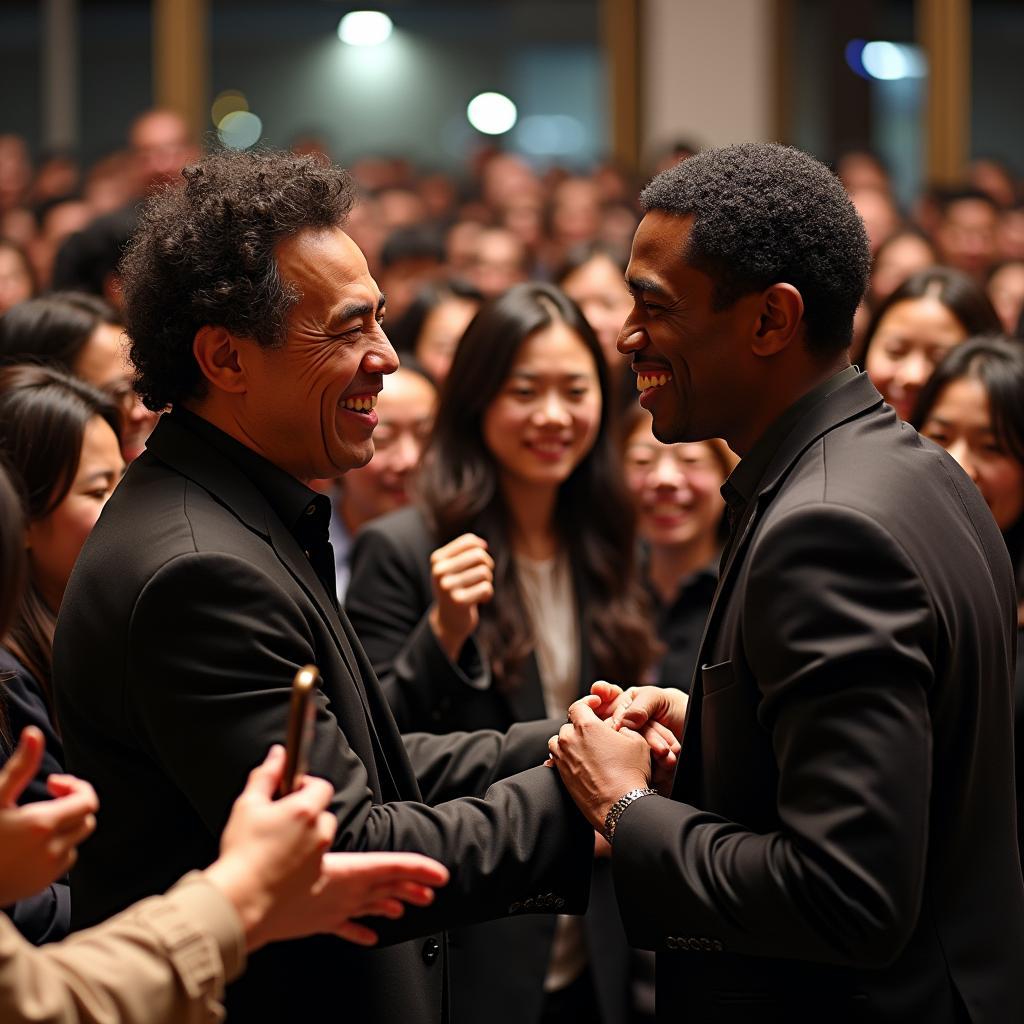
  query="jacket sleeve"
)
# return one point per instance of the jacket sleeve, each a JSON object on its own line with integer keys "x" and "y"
{"x": 837, "y": 632}
{"x": 214, "y": 644}
{"x": 164, "y": 960}
{"x": 387, "y": 602}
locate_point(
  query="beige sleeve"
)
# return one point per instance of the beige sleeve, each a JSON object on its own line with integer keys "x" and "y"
{"x": 164, "y": 959}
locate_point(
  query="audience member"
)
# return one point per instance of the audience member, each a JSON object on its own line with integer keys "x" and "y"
{"x": 431, "y": 327}
{"x": 501, "y": 597}
{"x": 209, "y": 581}
{"x": 680, "y": 518}
{"x": 966, "y": 232}
{"x": 917, "y": 325}
{"x": 83, "y": 336}
{"x": 17, "y": 280}
{"x": 902, "y": 254}
{"x": 405, "y": 415}
{"x": 973, "y": 406}
{"x": 499, "y": 261}
{"x": 410, "y": 259}
{"x": 1005, "y": 290}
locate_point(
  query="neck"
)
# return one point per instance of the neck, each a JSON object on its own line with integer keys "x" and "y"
{"x": 531, "y": 511}
{"x": 670, "y": 563}
{"x": 778, "y": 394}
{"x": 226, "y": 418}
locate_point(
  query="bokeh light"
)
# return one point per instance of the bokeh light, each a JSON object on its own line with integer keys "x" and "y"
{"x": 240, "y": 129}
{"x": 365, "y": 28}
{"x": 491, "y": 113}
{"x": 230, "y": 101}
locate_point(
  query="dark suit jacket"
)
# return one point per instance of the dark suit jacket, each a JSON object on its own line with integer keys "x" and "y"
{"x": 498, "y": 968}
{"x": 186, "y": 616}
{"x": 840, "y": 841}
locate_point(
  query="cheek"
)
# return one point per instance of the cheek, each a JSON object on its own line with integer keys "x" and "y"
{"x": 879, "y": 369}
{"x": 1003, "y": 485}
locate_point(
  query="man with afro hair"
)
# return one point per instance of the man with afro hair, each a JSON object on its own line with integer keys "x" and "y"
{"x": 838, "y": 841}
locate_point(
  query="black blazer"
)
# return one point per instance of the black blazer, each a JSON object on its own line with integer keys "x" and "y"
{"x": 187, "y": 614}
{"x": 840, "y": 843}
{"x": 45, "y": 916}
{"x": 498, "y": 968}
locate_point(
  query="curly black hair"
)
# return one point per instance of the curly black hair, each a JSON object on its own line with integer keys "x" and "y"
{"x": 204, "y": 254}
{"x": 765, "y": 214}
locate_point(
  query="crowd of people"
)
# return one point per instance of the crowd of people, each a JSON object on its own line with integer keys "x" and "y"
{"x": 519, "y": 533}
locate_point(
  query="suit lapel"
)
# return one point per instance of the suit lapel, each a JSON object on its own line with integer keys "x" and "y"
{"x": 850, "y": 400}
{"x": 190, "y": 456}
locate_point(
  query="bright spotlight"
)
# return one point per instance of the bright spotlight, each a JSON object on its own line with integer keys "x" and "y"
{"x": 227, "y": 102}
{"x": 885, "y": 61}
{"x": 240, "y": 129}
{"x": 365, "y": 28}
{"x": 491, "y": 113}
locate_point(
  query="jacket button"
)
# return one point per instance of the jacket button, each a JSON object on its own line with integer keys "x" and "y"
{"x": 430, "y": 950}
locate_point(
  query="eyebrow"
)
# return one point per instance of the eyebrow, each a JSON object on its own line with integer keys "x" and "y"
{"x": 100, "y": 475}
{"x": 636, "y": 285}
{"x": 355, "y": 311}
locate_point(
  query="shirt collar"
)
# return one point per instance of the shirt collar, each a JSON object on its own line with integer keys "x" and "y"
{"x": 744, "y": 481}
{"x": 305, "y": 512}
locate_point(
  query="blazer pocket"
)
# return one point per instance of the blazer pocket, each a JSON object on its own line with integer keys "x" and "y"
{"x": 716, "y": 677}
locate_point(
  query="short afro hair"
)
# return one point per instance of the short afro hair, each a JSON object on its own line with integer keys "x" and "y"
{"x": 766, "y": 214}
{"x": 204, "y": 254}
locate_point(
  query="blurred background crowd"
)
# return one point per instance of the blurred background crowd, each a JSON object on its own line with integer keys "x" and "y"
{"x": 500, "y": 238}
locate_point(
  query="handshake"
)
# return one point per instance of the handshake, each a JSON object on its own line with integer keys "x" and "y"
{"x": 618, "y": 740}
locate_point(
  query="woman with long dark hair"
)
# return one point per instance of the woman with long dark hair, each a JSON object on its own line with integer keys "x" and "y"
{"x": 930, "y": 313}
{"x": 59, "y": 438}
{"x": 973, "y": 406}
{"x": 503, "y": 594}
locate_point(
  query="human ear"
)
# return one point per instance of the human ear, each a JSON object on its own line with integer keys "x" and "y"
{"x": 779, "y": 319}
{"x": 216, "y": 350}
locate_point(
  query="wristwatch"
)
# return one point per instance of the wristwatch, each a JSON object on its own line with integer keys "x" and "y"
{"x": 615, "y": 811}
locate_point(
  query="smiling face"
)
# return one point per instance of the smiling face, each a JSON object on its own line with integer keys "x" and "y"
{"x": 961, "y": 421}
{"x": 676, "y": 489}
{"x": 691, "y": 361}
{"x": 405, "y": 412}
{"x": 908, "y": 344}
{"x": 308, "y": 404}
{"x": 546, "y": 416}
{"x": 598, "y": 289}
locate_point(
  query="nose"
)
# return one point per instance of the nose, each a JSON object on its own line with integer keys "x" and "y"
{"x": 961, "y": 451}
{"x": 405, "y": 454}
{"x": 381, "y": 357}
{"x": 666, "y": 473}
{"x": 631, "y": 338}
{"x": 914, "y": 370}
{"x": 552, "y": 409}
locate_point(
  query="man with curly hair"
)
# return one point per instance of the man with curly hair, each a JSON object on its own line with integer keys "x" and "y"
{"x": 838, "y": 842}
{"x": 209, "y": 581}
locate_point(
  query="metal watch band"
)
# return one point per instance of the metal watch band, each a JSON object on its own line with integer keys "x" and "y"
{"x": 615, "y": 811}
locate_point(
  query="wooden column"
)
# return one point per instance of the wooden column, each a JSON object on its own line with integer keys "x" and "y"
{"x": 621, "y": 34}
{"x": 181, "y": 59}
{"x": 944, "y": 33}
{"x": 60, "y": 74}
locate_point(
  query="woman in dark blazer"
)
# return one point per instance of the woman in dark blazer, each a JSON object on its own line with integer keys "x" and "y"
{"x": 59, "y": 436}
{"x": 501, "y": 595}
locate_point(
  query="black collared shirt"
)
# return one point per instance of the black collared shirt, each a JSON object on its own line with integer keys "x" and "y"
{"x": 305, "y": 512}
{"x": 680, "y": 624}
{"x": 746, "y": 479}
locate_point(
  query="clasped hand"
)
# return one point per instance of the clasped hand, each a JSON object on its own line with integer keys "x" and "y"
{"x": 616, "y": 740}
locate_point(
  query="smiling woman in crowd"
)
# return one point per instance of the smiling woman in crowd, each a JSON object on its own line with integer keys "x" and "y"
{"x": 974, "y": 407}
{"x": 680, "y": 520}
{"x": 930, "y": 313}
{"x": 503, "y": 595}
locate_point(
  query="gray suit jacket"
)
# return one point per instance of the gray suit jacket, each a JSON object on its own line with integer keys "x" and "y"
{"x": 840, "y": 843}
{"x": 186, "y": 616}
